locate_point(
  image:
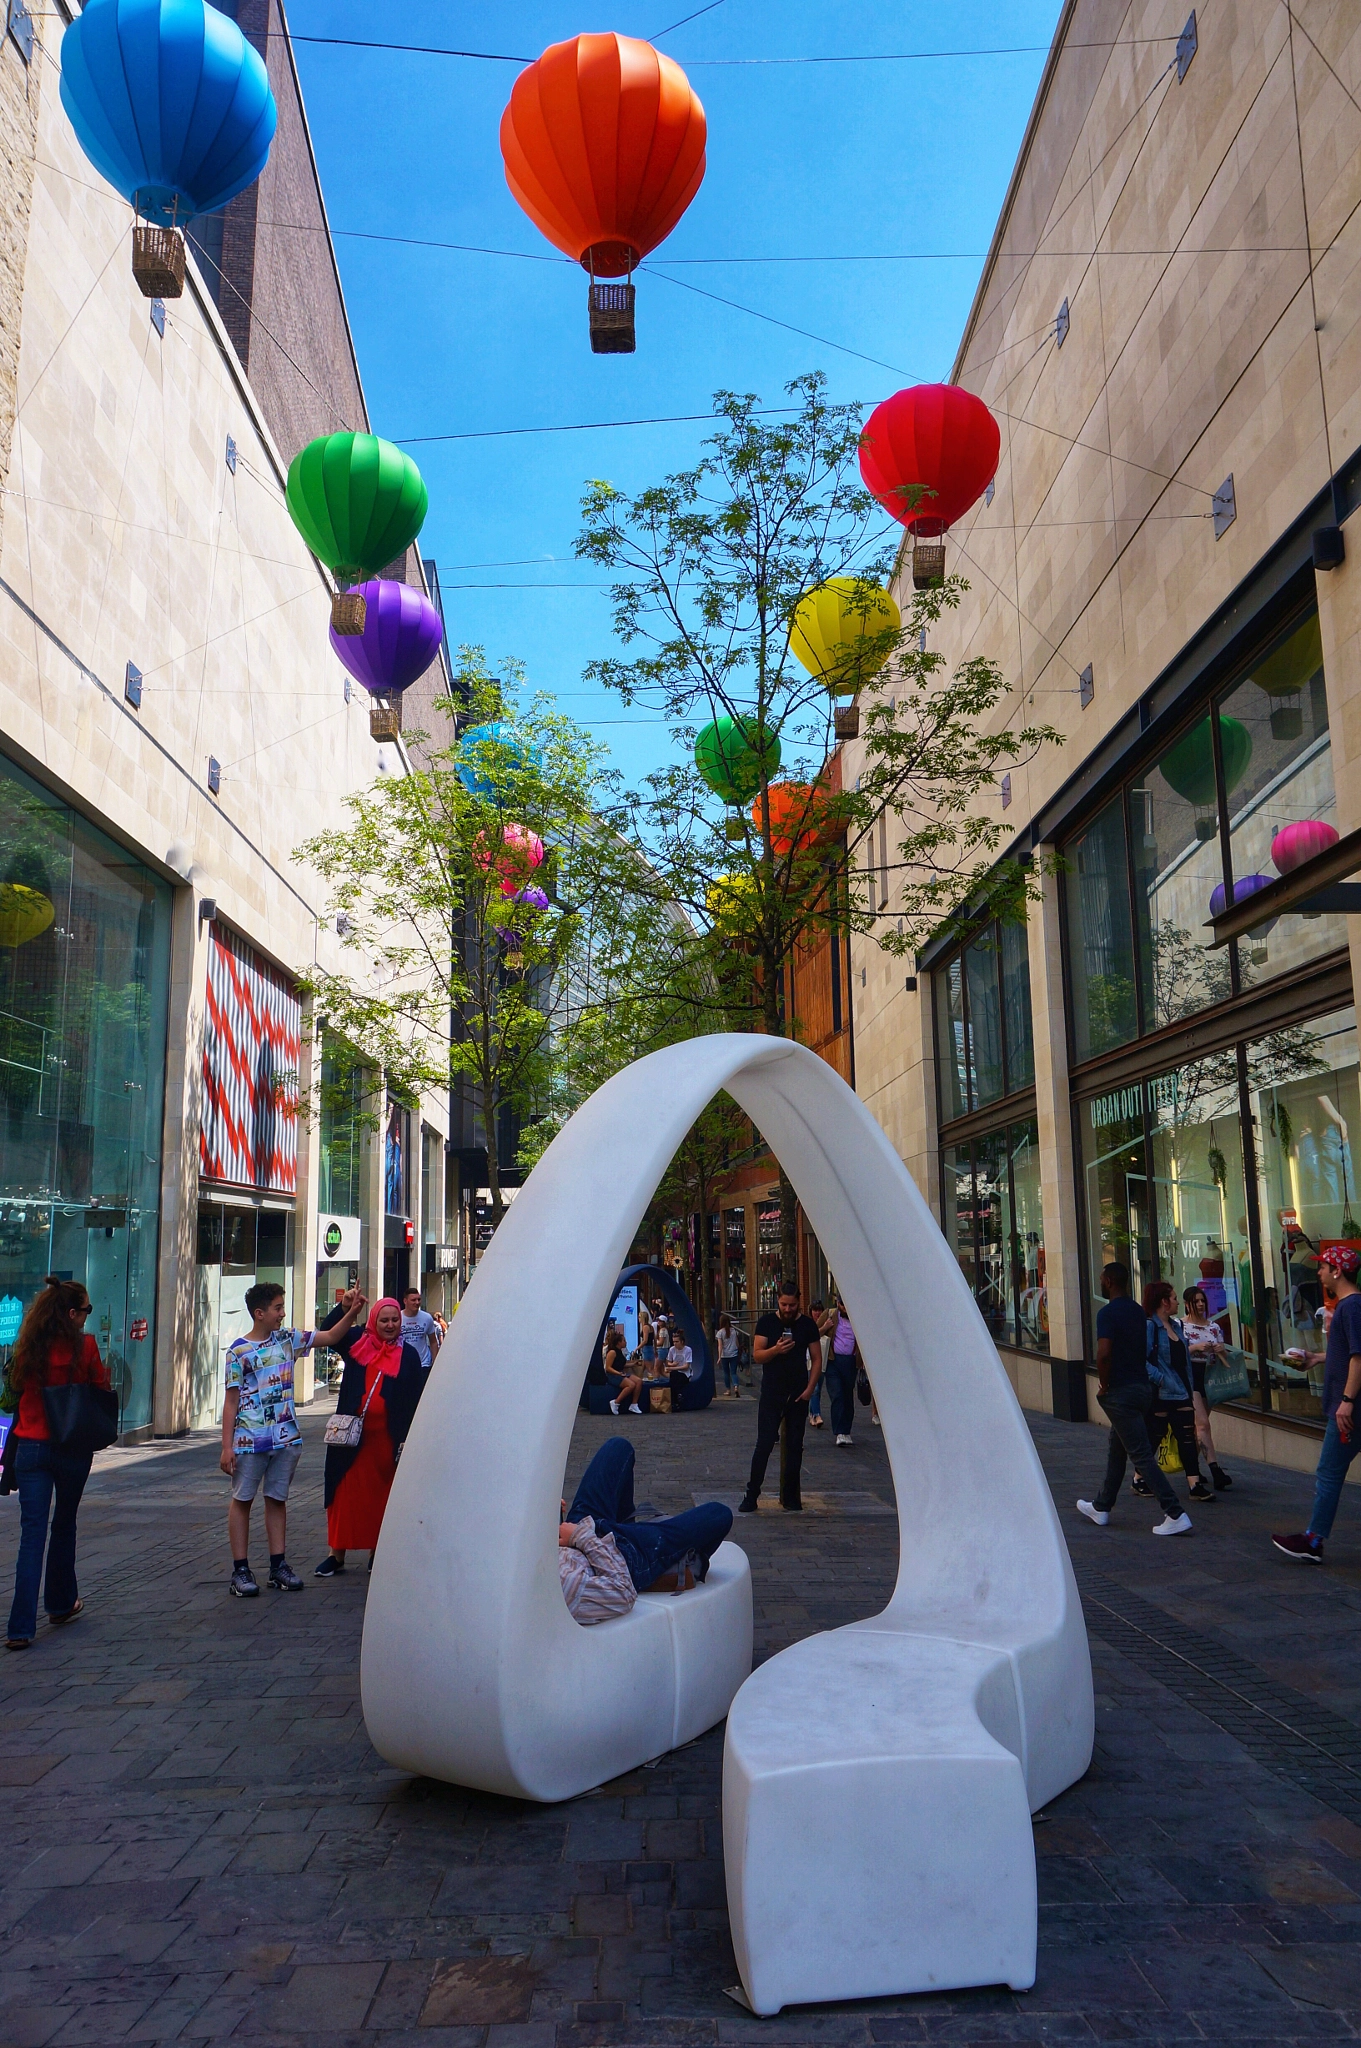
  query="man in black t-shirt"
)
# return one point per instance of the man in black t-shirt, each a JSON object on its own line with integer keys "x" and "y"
{"x": 788, "y": 1349}
{"x": 1128, "y": 1397}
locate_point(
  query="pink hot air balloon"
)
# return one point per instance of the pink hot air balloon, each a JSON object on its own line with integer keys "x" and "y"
{"x": 401, "y": 637}
{"x": 1295, "y": 844}
{"x": 524, "y": 852}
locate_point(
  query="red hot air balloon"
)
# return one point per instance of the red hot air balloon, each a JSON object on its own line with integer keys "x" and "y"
{"x": 938, "y": 436}
{"x": 603, "y": 143}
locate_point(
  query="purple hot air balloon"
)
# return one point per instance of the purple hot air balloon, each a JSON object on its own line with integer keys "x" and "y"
{"x": 401, "y": 637}
{"x": 1246, "y": 885}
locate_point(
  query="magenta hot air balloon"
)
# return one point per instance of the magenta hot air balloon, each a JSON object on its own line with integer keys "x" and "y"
{"x": 1295, "y": 844}
{"x": 401, "y": 637}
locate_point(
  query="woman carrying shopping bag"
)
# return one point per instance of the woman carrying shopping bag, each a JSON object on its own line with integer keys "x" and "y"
{"x": 379, "y": 1390}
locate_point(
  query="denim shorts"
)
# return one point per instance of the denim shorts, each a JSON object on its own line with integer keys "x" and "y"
{"x": 275, "y": 1468}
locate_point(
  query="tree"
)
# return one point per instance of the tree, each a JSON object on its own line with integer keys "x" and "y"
{"x": 461, "y": 886}
{"x": 712, "y": 564}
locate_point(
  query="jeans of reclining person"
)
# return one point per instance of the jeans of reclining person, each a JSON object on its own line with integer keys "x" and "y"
{"x": 648, "y": 1548}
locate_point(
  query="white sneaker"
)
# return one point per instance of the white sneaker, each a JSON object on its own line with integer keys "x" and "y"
{"x": 1174, "y": 1525}
{"x": 843, "y": 1439}
{"x": 1097, "y": 1515}
{"x": 634, "y": 1409}
{"x": 614, "y": 1407}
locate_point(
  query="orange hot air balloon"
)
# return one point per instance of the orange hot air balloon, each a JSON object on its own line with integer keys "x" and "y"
{"x": 801, "y": 817}
{"x": 603, "y": 143}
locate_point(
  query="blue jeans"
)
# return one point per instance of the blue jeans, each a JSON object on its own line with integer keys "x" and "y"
{"x": 648, "y": 1548}
{"x": 815, "y": 1400}
{"x": 1333, "y": 1462}
{"x": 729, "y": 1366}
{"x": 42, "y": 1470}
{"x": 841, "y": 1373}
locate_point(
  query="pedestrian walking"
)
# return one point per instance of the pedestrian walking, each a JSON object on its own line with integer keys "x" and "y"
{"x": 843, "y": 1364}
{"x": 729, "y": 1351}
{"x": 1169, "y": 1369}
{"x": 785, "y": 1346}
{"x": 51, "y": 1350}
{"x": 1127, "y": 1395}
{"x": 1337, "y": 1267}
{"x": 381, "y": 1384}
{"x": 817, "y": 1310}
{"x": 420, "y": 1329}
{"x": 1205, "y": 1343}
{"x": 261, "y": 1442}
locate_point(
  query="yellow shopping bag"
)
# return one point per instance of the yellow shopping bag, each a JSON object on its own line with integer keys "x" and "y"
{"x": 1169, "y": 1457}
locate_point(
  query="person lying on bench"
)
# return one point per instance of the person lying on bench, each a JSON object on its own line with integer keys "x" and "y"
{"x": 605, "y": 1558}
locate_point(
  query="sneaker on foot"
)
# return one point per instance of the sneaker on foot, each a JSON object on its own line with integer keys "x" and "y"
{"x": 1093, "y": 1514}
{"x": 1221, "y": 1478}
{"x": 1173, "y": 1525}
{"x": 614, "y": 1407}
{"x": 1200, "y": 1489}
{"x": 283, "y": 1578}
{"x": 746, "y": 1506}
{"x": 243, "y": 1582}
{"x": 1300, "y": 1549}
{"x": 634, "y": 1409}
{"x": 329, "y": 1568}
{"x": 1138, "y": 1485}
{"x": 843, "y": 1439}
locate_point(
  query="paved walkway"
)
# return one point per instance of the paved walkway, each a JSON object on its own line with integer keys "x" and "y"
{"x": 200, "y": 1844}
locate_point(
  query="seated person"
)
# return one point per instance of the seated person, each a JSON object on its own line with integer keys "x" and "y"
{"x": 624, "y": 1383}
{"x": 681, "y": 1367}
{"x": 605, "y": 1558}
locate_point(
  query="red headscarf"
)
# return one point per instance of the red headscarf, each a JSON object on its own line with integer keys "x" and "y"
{"x": 371, "y": 1349}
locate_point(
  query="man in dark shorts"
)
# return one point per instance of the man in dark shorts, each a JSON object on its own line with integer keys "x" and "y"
{"x": 787, "y": 1346}
{"x": 1128, "y": 1395}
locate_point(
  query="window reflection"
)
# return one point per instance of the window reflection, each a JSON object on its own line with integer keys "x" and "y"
{"x": 1100, "y": 943}
{"x": 985, "y": 1017}
{"x": 951, "y": 1049}
{"x": 1199, "y": 1195}
{"x": 957, "y": 1203}
{"x": 1174, "y": 832}
{"x": 995, "y": 1227}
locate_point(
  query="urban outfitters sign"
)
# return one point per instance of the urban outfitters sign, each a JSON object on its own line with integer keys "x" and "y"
{"x": 1126, "y": 1105}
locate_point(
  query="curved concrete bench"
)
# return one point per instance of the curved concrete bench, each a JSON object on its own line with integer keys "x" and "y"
{"x": 968, "y": 1699}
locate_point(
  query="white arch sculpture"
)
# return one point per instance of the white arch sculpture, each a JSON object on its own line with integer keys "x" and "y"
{"x": 881, "y": 1775}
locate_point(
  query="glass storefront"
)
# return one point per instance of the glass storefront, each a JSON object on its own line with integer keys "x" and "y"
{"x": 1243, "y": 795}
{"x": 984, "y": 1049}
{"x": 237, "y": 1245}
{"x": 84, "y": 985}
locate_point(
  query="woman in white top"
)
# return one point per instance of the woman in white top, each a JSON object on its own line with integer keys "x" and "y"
{"x": 728, "y": 1347}
{"x": 1204, "y": 1343}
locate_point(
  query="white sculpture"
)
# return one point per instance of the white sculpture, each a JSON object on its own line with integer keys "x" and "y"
{"x": 881, "y": 1776}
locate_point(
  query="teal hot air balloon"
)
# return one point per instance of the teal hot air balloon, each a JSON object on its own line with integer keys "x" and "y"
{"x": 358, "y": 502}
{"x": 1189, "y": 767}
{"x": 173, "y": 106}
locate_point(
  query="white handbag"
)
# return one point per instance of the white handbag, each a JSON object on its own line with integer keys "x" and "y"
{"x": 344, "y": 1432}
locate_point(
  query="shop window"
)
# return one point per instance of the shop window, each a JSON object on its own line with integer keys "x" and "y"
{"x": 1016, "y": 1007}
{"x": 84, "y": 985}
{"x": 1198, "y": 1193}
{"x": 340, "y": 1133}
{"x": 984, "y": 1043}
{"x": 956, "y": 1182}
{"x": 985, "y": 1018}
{"x": 1115, "y": 1188}
{"x": 952, "y": 1053}
{"x": 1178, "y": 863}
{"x": 994, "y": 1226}
{"x": 1307, "y": 1111}
{"x": 1100, "y": 939}
{"x": 396, "y": 1158}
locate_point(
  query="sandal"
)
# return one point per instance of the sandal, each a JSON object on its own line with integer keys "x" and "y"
{"x": 70, "y": 1614}
{"x": 18, "y": 1642}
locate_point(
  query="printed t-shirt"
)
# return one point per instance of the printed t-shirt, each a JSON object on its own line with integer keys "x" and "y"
{"x": 63, "y": 1370}
{"x": 262, "y": 1369}
{"x": 417, "y": 1331}
{"x": 791, "y": 1367}
{"x": 1124, "y": 1322}
{"x": 1344, "y": 1341}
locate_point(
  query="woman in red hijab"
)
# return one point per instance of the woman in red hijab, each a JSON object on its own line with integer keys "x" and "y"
{"x": 382, "y": 1381}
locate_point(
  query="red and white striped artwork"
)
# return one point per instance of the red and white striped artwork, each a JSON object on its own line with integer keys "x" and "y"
{"x": 248, "y": 1134}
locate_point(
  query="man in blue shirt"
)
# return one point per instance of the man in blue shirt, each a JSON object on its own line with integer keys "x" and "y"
{"x": 1128, "y": 1395}
{"x": 1337, "y": 1269}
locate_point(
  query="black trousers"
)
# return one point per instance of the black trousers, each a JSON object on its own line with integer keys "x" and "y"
{"x": 779, "y": 1406}
{"x": 1130, "y": 1410}
{"x": 1180, "y": 1418}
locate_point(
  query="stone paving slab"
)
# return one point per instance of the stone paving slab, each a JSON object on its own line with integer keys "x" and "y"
{"x": 202, "y": 1847}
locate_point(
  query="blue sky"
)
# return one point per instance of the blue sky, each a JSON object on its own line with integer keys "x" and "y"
{"x": 829, "y": 161}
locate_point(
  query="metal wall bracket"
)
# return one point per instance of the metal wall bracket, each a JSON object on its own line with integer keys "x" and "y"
{"x": 19, "y": 22}
{"x": 1062, "y": 324}
{"x": 132, "y": 685}
{"x": 1225, "y": 508}
{"x": 214, "y": 776}
{"x": 1343, "y": 896}
{"x": 990, "y": 492}
{"x": 1330, "y": 550}
{"x": 231, "y": 455}
{"x": 1006, "y": 792}
{"x": 158, "y": 316}
{"x": 1187, "y": 45}
{"x": 1086, "y": 686}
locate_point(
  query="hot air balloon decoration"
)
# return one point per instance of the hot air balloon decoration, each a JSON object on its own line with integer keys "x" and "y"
{"x": 511, "y": 937}
{"x": 1283, "y": 674}
{"x": 928, "y": 454}
{"x": 1246, "y": 885}
{"x": 843, "y": 632}
{"x": 521, "y": 852}
{"x": 603, "y": 144}
{"x": 730, "y": 754}
{"x": 1294, "y": 844}
{"x": 173, "y": 106}
{"x": 1189, "y": 768}
{"x": 802, "y": 817}
{"x": 401, "y": 637}
{"x": 471, "y": 766}
{"x": 358, "y": 502}
{"x": 25, "y": 913}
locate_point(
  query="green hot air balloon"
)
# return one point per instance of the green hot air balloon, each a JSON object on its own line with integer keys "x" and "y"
{"x": 1189, "y": 767}
{"x": 358, "y": 502}
{"x": 729, "y": 754}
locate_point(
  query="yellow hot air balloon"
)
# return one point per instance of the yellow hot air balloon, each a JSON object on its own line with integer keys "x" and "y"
{"x": 729, "y": 902}
{"x": 24, "y": 913}
{"x": 840, "y": 632}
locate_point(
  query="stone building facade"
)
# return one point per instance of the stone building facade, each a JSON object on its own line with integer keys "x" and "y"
{"x": 1167, "y": 570}
{"x": 173, "y": 723}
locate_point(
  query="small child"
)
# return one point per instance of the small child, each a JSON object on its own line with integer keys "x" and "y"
{"x": 261, "y": 1442}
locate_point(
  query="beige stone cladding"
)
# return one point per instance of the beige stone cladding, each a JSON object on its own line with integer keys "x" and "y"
{"x": 20, "y": 88}
{"x": 129, "y": 537}
{"x": 1205, "y": 234}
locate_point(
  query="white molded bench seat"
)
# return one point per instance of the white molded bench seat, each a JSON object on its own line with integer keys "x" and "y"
{"x": 899, "y": 1821}
{"x": 711, "y": 1632}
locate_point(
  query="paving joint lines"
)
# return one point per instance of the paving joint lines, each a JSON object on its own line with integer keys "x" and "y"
{"x": 1232, "y": 1693}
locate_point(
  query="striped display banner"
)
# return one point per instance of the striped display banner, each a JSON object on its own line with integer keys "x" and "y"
{"x": 248, "y": 1133}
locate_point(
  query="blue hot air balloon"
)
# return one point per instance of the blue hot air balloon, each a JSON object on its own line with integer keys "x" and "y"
{"x": 170, "y": 103}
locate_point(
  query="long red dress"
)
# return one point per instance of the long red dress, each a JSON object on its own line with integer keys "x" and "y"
{"x": 356, "y": 1513}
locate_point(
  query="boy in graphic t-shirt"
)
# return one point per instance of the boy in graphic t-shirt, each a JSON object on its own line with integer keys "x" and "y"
{"x": 261, "y": 1442}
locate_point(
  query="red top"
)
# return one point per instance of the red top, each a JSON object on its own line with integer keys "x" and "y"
{"x": 64, "y": 1369}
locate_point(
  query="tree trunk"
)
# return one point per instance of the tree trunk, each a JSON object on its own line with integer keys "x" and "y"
{"x": 706, "y": 1285}
{"x": 789, "y": 1240}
